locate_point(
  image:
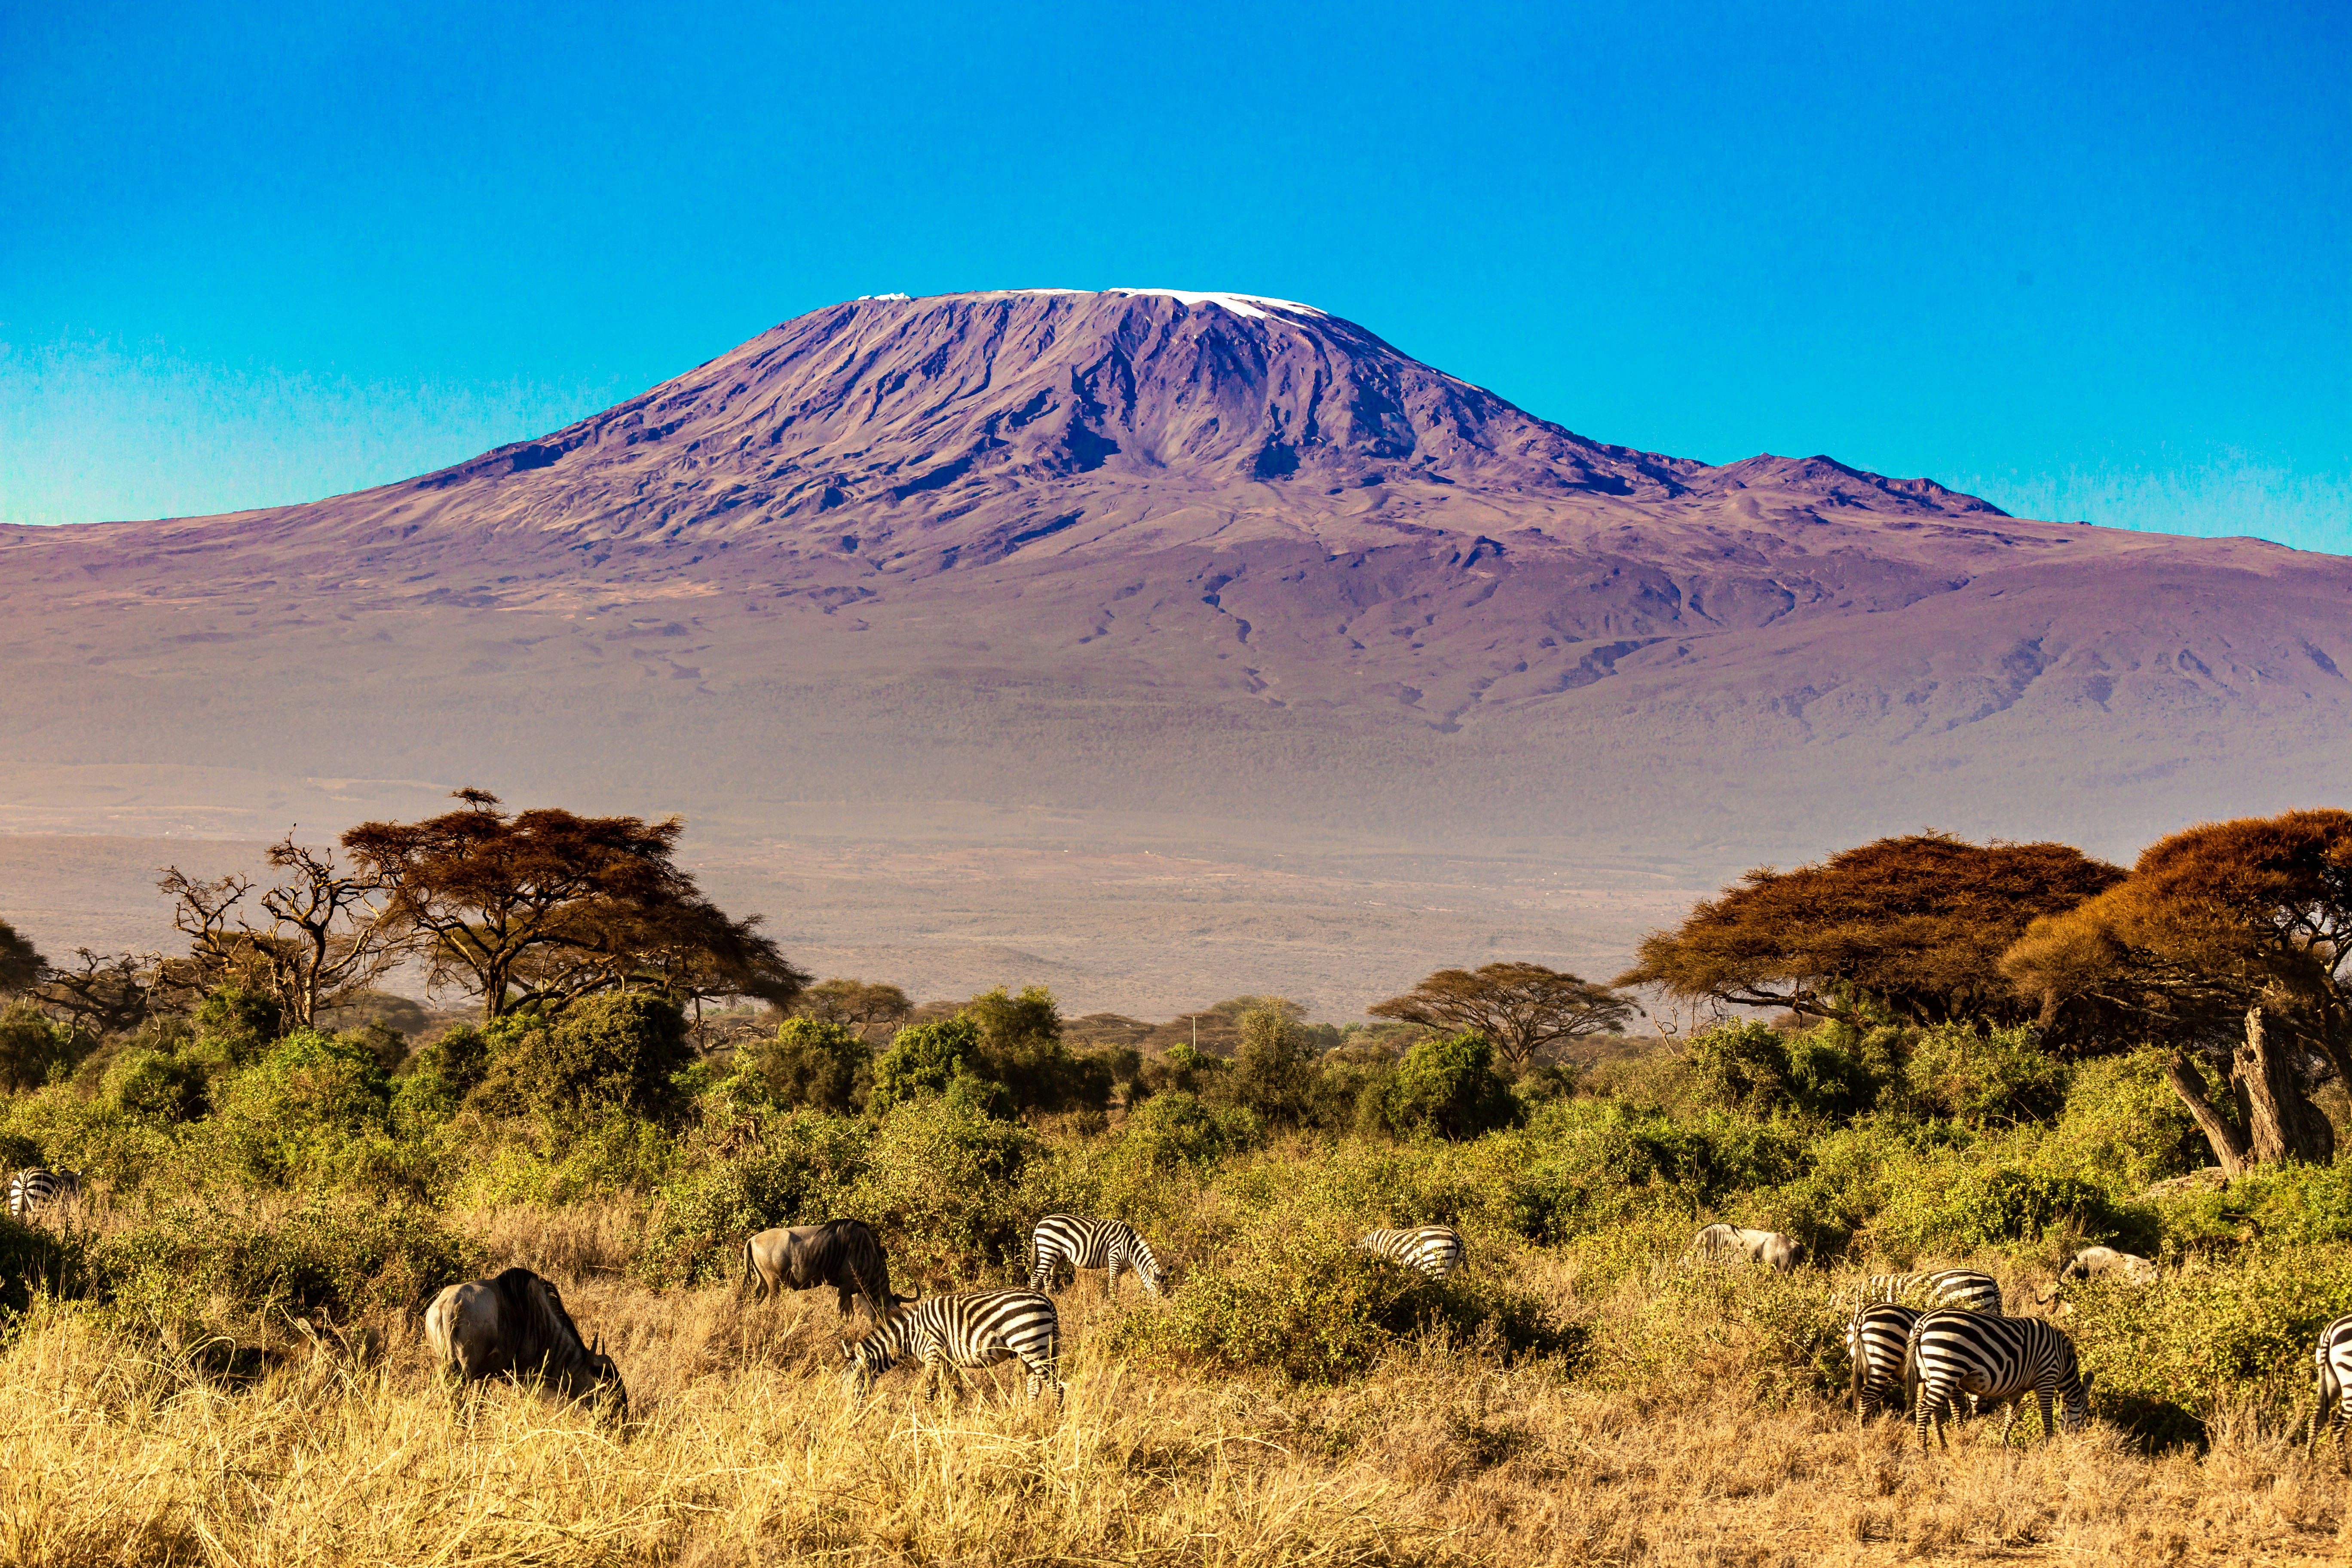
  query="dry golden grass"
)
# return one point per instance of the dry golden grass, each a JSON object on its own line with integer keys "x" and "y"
{"x": 743, "y": 1448}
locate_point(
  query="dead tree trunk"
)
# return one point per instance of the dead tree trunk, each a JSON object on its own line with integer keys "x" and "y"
{"x": 2281, "y": 1122}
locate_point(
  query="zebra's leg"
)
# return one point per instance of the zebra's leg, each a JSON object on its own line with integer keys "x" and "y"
{"x": 1110, "y": 1278}
{"x": 1930, "y": 1412}
{"x": 2044, "y": 1398}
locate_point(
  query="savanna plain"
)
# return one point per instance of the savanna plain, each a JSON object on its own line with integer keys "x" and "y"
{"x": 214, "y": 1355}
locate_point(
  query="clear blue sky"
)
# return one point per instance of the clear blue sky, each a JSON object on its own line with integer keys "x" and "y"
{"x": 2090, "y": 261}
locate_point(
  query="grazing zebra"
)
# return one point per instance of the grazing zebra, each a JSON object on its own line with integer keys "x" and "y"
{"x": 1944, "y": 1289}
{"x": 1954, "y": 1353}
{"x": 2334, "y": 1411}
{"x": 1110, "y": 1245}
{"x": 977, "y": 1327}
{"x": 1433, "y": 1249}
{"x": 39, "y": 1187}
{"x": 1877, "y": 1339}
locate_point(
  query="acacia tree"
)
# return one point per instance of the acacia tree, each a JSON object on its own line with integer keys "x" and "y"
{"x": 1918, "y": 924}
{"x": 326, "y": 940}
{"x": 1522, "y": 1009}
{"x": 2230, "y": 942}
{"x": 545, "y": 907}
{"x": 855, "y": 1003}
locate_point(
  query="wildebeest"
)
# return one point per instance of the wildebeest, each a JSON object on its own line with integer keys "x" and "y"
{"x": 513, "y": 1325}
{"x": 2102, "y": 1263}
{"x": 842, "y": 1253}
{"x": 1724, "y": 1243}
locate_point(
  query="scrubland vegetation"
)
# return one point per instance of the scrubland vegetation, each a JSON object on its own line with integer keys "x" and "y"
{"x": 217, "y": 1358}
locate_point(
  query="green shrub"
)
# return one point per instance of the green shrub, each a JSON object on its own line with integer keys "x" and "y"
{"x": 1173, "y": 1131}
{"x": 927, "y": 1059}
{"x": 336, "y": 1257}
{"x": 41, "y": 1260}
{"x": 1181, "y": 1069}
{"x": 34, "y": 1048}
{"x": 1447, "y": 1086}
{"x": 809, "y": 1064}
{"x": 1988, "y": 1205}
{"x": 234, "y": 1026}
{"x": 2197, "y": 1339}
{"x": 606, "y": 1055}
{"x": 1996, "y": 1076}
{"x": 2123, "y": 1125}
{"x": 805, "y": 1165}
{"x": 1021, "y": 1047}
{"x": 162, "y": 1086}
{"x": 1832, "y": 1071}
{"x": 290, "y": 1113}
{"x": 1588, "y": 1163}
{"x": 1273, "y": 1072}
{"x": 2288, "y": 1206}
{"x": 939, "y": 1187}
{"x": 1293, "y": 1298}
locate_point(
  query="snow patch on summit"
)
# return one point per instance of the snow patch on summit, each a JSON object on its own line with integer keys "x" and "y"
{"x": 1253, "y": 306}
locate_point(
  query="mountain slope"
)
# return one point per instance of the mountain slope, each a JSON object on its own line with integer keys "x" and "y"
{"x": 1137, "y": 562}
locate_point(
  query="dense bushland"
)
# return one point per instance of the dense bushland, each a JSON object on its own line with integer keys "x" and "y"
{"x": 242, "y": 1172}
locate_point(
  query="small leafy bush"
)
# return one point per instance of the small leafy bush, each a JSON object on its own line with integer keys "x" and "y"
{"x": 810, "y": 1064}
{"x": 34, "y": 1048}
{"x": 1446, "y": 1086}
{"x": 1295, "y": 1298}
{"x": 309, "y": 1094}
{"x": 1997, "y": 1077}
{"x": 162, "y": 1086}
{"x": 341, "y": 1258}
{"x": 941, "y": 1187}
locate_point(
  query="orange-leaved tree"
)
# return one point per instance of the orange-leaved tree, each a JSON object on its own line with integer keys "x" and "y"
{"x": 1918, "y": 924}
{"x": 542, "y": 907}
{"x": 2230, "y": 942}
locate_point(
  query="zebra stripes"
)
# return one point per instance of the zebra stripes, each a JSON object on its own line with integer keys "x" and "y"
{"x": 2334, "y": 1411}
{"x": 1433, "y": 1249}
{"x": 37, "y": 1187}
{"x": 1877, "y": 1338}
{"x": 1996, "y": 1359}
{"x": 977, "y": 1327}
{"x": 1068, "y": 1240}
{"x": 1943, "y": 1290}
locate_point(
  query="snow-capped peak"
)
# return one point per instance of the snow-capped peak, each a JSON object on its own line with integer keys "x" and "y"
{"x": 1253, "y": 306}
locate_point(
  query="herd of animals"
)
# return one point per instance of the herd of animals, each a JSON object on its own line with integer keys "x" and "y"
{"x": 1956, "y": 1345}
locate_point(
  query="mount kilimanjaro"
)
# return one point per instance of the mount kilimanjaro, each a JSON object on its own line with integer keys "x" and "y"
{"x": 1083, "y": 569}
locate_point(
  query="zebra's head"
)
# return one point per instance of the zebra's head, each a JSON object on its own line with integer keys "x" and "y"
{"x": 869, "y": 1358}
{"x": 2077, "y": 1399}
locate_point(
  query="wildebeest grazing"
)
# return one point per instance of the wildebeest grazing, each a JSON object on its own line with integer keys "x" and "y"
{"x": 2101, "y": 1263}
{"x": 1727, "y": 1243}
{"x": 842, "y": 1253}
{"x": 513, "y": 1325}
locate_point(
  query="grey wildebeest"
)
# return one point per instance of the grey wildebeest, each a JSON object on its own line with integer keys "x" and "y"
{"x": 2102, "y": 1263}
{"x": 1727, "y": 1243}
{"x": 513, "y": 1325}
{"x": 842, "y": 1253}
